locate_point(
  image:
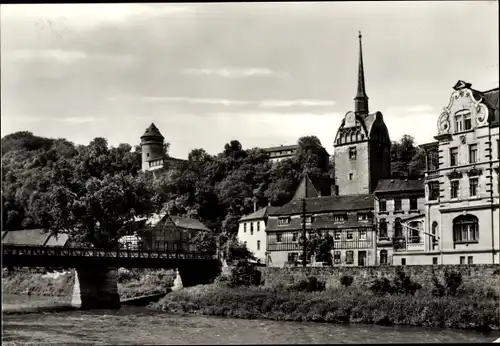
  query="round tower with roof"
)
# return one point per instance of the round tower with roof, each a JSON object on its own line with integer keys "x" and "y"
{"x": 152, "y": 149}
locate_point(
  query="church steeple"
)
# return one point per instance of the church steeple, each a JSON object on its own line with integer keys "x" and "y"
{"x": 361, "y": 100}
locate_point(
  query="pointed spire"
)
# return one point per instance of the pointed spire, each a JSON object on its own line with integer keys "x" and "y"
{"x": 361, "y": 100}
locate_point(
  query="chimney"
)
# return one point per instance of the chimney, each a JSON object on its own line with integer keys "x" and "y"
{"x": 254, "y": 207}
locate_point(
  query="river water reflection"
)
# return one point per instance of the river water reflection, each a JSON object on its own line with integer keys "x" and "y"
{"x": 142, "y": 326}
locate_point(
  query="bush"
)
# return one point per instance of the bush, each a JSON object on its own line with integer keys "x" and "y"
{"x": 403, "y": 283}
{"x": 311, "y": 284}
{"x": 382, "y": 286}
{"x": 453, "y": 281}
{"x": 438, "y": 290}
{"x": 346, "y": 280}
{"x": 244, "y": 274}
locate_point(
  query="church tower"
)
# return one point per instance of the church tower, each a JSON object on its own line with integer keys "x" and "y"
{"x": 152, "y": 149}
{"x": 362, "y": 145}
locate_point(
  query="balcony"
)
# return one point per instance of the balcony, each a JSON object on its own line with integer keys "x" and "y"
{"x": 415, "y": 247}
{"x": 412, "y": 244}
{"x": 384, "y": 241}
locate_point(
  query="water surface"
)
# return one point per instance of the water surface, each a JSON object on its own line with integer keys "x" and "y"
{"x": 132, "y": 325}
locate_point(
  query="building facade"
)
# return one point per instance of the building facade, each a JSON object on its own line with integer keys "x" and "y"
{"x": 252, "y": 232}
{"x": 348, "y": 219}
{"x": 282, "y": 152}
{"x": 462, "y": 184}
{"x": 399, "y": 213}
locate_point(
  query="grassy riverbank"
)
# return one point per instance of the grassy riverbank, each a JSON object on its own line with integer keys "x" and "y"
{"x": 131, "y": 283}
{"x": 471, "y": 309}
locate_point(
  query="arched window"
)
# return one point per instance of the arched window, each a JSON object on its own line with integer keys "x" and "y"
{"x": 353, "y": 136}
{"x": 383, "y": 228}
{"x": 465, "y": 228}
{"x": 434, "y": 232}
{"x": 398, "y": 228}
{"x": 383, "y": 256}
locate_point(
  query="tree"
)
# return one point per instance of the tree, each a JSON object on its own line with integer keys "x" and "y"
{"x": 204, "y": 242}
{"x": 407, "y": 159}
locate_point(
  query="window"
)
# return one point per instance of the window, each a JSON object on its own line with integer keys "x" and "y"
{"x": 469, "y": 260}
{"x": 292, "y": 257}
{"x": 295, "y": 236}
{"x": 413, "y": 203}
{"x": 309, "y": 219}
{"x": 352, "y": 153}
{"x": 349, "y": 235}
{"x": 397, "y": 204}
{"x": 244, "y": 227}
{"x": 473, "y": 153}
{"x": 466, "y": 228}
{"x": 339, "y": 218}
{"x": 363, "y": 217}
{"x": 454, "y": 189}
{"x": 383, "y": 228}
{"x": 398, "y": 228}
{"x": 175, "y": 247}
{"x": 433, "y": 190}
{"x": 383, "y": 256}
{"x": 336, "y": 257}
{"x": 462, "y": 259}
{"x": 434, "y": 233}
{"x": 403, "y": 261}
{"x": 350, "y": 176}
{"x": 245, "y": 243}
{"x": 453, "y": 156}
{"x": 382, "y": 205}
{"x": 258, "y": 245}
{"x": 463, "y": 120}
{"x": 349, "y": 259}
{"x": 473, "y": 184}
{"x": 434, "y": 260}
{"x": 362, "y": 235}
{"x": 251, "y": 228}
{"x": 279, "y": 237}
{"x": 258, "y": 226}
{"x": 283, "y": 221}
{"x": 337, "y": 235}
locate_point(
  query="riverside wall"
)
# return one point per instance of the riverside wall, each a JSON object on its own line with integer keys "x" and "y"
{"x": 480, "y": 275}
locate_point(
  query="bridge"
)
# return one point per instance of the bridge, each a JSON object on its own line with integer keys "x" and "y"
{"x": 95, "y": 277}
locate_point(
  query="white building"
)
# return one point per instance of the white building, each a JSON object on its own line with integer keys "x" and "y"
{"x": 252, "y": 232}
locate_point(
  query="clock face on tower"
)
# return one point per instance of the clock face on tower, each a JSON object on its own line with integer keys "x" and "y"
{"x": 350, "y": 119}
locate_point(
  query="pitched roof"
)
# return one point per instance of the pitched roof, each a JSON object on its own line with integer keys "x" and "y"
{"x": 281, "y": 147}
{"x": 36, "y": 237}
{"x": 322, "y": 184}
{"x": 328, "y": 203}
{"x": 259, "y": 214}
{"x": 396, "y": 185}
{"x": 152, "y": 131}
{"x": 188, "y": 223}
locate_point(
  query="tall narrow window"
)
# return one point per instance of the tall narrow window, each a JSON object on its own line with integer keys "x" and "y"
{"x": 382, "y": 205}
{"x": 473, "y": 153}
{"x": 244, "y": 227}
{"x": 458, "y": 123}
{"x": 398, "y": 228}
{"x": 467, "y": 121}
{"x": 258, "y": 226}
{"x": 453, "y": 156}
{"x": 383, "y": 257}
{"x": 383, "y": 228}
{"x": 350, "y": 176}
{"x": 433, "y": 190}
{"x": 473, "y": 187}
{"x": 349, "y": 257}
{"x": 295, "y": 236}
{"x": 258, "y": 245}
{"x": 462, "y": 259}
{"x": 413, "y": 203}
{"x": 336, "y": 257}
{"x": 251, "y": 228}
{"x": 397, "y": 204}
{"x": 470, "y": 260}
{"x": 454, "y": 188}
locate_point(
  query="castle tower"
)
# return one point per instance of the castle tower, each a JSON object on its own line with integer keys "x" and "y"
{"x": 152, "y": 149}
{"x": 362, "y": 145}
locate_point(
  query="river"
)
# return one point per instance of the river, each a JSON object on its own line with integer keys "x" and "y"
{"x": 131, "y": 325}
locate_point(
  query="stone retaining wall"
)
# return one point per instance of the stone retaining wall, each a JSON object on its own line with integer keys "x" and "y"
{"x": 477, "y": 275}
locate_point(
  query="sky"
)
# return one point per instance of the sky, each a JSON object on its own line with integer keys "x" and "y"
{"x": 262, "y": 73}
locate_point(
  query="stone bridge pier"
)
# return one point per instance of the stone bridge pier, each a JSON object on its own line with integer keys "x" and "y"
{"x": 95, "y": 288}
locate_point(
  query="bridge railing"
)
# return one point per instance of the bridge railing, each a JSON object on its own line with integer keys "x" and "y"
{"x": 29, "y": 250}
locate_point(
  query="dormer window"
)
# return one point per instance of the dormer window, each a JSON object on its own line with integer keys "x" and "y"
{"x": 363, "y": 216}
{"x": 283, "y": 221}
{"x": 309, "y": 219}
{"x": 463, "y": 120}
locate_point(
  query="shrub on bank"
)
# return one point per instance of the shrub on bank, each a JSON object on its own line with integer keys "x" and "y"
{"x": 351, "y": 304}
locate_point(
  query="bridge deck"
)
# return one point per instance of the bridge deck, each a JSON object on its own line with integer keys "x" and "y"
{"x": 69, "y": 257}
